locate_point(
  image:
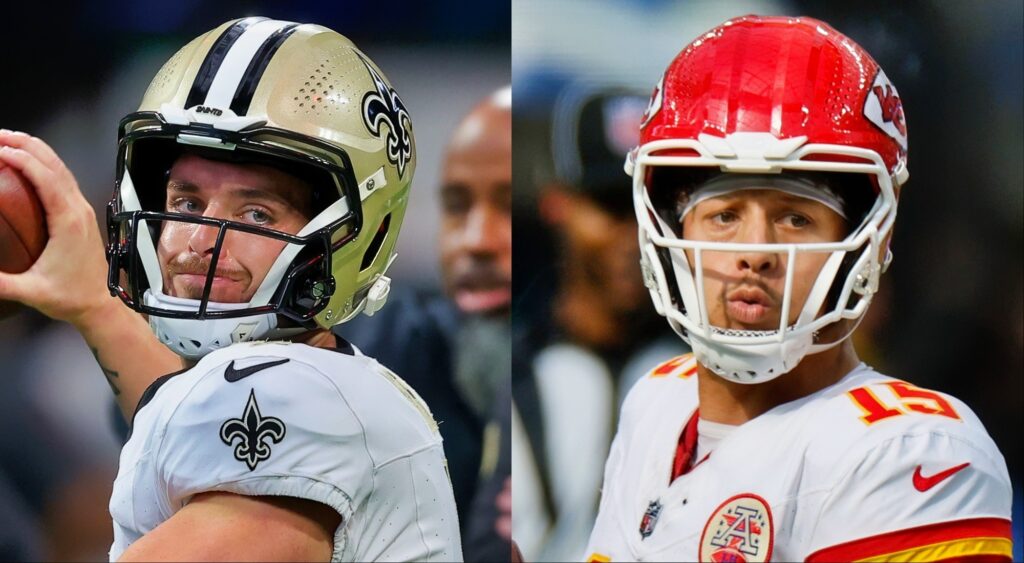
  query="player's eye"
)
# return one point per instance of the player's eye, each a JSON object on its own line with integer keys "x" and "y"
{"x": 795, "y": 220}
{"x": 184, "y": 205}
{"x": 724, "y": 217}
{"x": 258, "y": 216}
{"x": 455, "y": 200}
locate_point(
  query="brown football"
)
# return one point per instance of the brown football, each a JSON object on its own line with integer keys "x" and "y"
{"x": 23, "y": 232}
{"x": 517, "y": 556}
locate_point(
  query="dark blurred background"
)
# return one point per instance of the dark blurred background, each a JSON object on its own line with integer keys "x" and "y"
{"x": 70, "y": 71}
{"x": 950, "y": 315}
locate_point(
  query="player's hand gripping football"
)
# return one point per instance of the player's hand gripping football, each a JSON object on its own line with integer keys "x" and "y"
{"x": 68, "y": 281}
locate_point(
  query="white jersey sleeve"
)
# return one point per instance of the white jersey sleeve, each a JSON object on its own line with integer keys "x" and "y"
{"x": 279, "y": 431}
{"x": 932, "y": 487}
{"x": 290, "y": 420}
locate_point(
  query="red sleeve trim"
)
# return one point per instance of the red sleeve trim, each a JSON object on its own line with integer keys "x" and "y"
{"x": 912, "y": 538}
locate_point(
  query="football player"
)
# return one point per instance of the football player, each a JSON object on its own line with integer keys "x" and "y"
{"x": 260, "y": 191}
{"x": 766, "y": 182}
{"x": 453, "y": 347}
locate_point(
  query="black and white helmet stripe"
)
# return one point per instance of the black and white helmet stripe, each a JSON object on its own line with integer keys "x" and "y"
{"x": 234, "y": 65}
{"x": 254, "y": 72}
{"x": 214, "y": 57}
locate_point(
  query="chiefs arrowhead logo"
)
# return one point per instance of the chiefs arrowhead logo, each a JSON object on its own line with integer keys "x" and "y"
{"x": 883, "y": 107}
{"x": 654, "y": 106}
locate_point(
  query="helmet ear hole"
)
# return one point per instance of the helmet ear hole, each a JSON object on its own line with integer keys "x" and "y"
{"x": 671, "y": 280}
{"x": 375, "y": 245}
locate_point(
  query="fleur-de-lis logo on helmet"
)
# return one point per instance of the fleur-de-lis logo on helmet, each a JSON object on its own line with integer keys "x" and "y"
{"x": 252, "y": 429}
{"x": 384, "y": 106}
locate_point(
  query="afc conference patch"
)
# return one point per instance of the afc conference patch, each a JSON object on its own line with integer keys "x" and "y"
{"x": 650, "y": 519}
{"x": 740, "y": 530}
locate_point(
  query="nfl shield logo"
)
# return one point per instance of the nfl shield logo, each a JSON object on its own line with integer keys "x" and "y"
{"x": 650, "y": 519}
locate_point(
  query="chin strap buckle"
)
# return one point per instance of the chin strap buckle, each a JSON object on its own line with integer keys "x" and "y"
{"x": 647, "y": 272}
{"x": 867, "y": 280}
{"x": 377, "y": 295}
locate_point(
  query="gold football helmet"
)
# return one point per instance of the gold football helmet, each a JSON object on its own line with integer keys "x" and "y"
{"x": 297, "y": 97}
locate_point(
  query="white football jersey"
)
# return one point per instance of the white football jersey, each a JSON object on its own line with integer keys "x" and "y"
{"x": 273, "y": 418}
{"x": 870, "y": 467}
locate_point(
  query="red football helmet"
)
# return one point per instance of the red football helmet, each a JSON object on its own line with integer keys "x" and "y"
{"x": 771, "y": 95}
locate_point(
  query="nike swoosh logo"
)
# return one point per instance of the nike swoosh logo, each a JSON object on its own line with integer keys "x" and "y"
{"x": 232, "y": 375}
{"x": 922, "y": 483}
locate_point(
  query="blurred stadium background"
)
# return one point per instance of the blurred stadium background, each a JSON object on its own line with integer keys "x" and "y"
{"x": 951, "y": 312}
{"x": 70, "y": 72}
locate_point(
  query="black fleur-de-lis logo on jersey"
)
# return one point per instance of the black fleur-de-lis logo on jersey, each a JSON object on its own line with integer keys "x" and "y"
{"x": 252, "y": 429}
{"x": 383, "y": 106}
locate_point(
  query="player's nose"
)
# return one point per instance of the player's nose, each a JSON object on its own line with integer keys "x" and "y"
{"x": 482, "y": 233}
{"x": 203, "y": 239}
{"x": 757, "y": 262}
{"x": 757, "y": 230}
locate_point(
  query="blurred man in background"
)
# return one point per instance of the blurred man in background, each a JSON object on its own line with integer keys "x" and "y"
{"x": 453, "y": 348}
{"x": 573, "y": 367}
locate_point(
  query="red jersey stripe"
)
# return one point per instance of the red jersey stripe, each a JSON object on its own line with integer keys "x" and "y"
{"x": 682, "y": 463}
{"x": 974, "y": 550}
{"x": 912, "y": 538}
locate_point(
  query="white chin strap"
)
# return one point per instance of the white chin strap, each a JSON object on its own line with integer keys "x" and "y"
{"x": 192, "y": 338}
{"x": 751, "y": 363}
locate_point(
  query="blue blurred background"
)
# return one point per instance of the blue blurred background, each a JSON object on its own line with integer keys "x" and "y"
{"x": 70, "y": 71}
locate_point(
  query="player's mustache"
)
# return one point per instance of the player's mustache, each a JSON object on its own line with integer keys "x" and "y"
{"x": 197, "y": 265}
